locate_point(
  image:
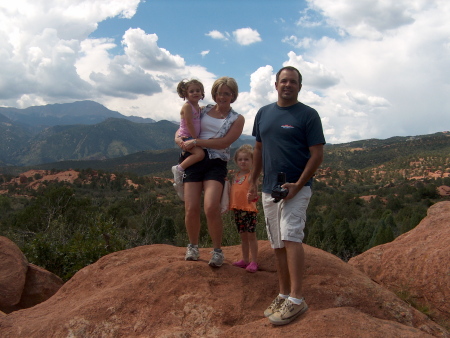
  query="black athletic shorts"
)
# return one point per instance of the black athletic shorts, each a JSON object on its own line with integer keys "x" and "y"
{"x": 205, "y": 170}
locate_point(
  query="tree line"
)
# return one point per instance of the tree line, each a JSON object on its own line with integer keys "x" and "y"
{"x": 63, "y": 226}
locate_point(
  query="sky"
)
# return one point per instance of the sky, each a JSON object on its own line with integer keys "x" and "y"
{"x": 371, "y": 68}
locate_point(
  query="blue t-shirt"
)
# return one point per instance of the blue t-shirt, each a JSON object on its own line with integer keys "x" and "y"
{"x": 286, "y": 134}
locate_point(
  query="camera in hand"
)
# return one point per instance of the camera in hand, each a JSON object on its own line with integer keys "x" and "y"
{"x": 279, "y": 193}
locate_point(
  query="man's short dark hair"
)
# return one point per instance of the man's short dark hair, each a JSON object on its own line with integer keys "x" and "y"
{"x": 290, "y": 68}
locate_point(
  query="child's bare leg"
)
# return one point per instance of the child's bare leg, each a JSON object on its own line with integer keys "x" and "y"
{"x": 245, "y": 246}
{"x": 253, "y": 245}
{"x": 197, "y": 154}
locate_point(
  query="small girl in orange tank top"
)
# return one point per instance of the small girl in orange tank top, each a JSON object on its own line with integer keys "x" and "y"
{"x": 244, "y": 213}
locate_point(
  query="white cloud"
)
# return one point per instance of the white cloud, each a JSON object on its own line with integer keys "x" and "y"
{"x": 298, "y": 43}
{"x": 372, "y": 68}
{"x": 26, "y": 100}
{"x": 142, "y": 49}
{"x": 315, "y": 73}
{"x": 165, "y": 103}
{"x": 72, "y": 19}
{"x": 388, "y": 73}
{"x": 246, "y": 36}
{"x": 41, "y": 42}
{"x": 49, "y": 58}
{"x": 308, "y": 19}
{"x": 217, "y": 35}
{"x": 369, "y": 18}
{"x": 243, "y": 36}
{"x": 262, "y": 92}
{"x": 365, "y": 100}
{"x": 125, "y": 80}
{"x": 94, "y": 56}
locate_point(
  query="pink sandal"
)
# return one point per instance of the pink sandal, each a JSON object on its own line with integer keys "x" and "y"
{"x": 241, "y": 264}
{"x": 252, "y": 267}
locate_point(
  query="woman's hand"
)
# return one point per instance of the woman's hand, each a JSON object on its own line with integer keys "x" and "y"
{"x": 187, "y": 145}
{"x": 178, "y": 139}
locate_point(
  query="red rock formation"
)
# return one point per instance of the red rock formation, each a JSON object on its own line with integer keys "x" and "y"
{"x": 416, "y": 263}
{"x": 150, "y": 291}
{"x": 13, "y": 269}
{"x": 22, "y": 285}
{"x": 40, "y": 285}
{"x": 444, "y": 190}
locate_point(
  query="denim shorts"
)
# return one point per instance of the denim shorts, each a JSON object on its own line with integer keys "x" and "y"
{"x": 205, "y": 170}
{"x": 285, "y": 220}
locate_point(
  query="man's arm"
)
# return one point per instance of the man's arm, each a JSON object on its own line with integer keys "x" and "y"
{"x": 311, "y": 167}
{"x": 256, "y": 171}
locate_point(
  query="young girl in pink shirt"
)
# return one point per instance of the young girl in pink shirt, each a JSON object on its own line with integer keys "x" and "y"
{"x": 192, "y": 91}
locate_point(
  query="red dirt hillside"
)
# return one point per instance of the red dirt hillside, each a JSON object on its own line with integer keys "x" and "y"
{"x": 150, "y": 291}
{"x": 416, "y": 263}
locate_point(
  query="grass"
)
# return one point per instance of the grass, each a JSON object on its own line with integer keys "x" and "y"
{"x": 405, "y": 294}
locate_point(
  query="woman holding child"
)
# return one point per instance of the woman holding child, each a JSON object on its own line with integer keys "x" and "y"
{"x": 220, "y": 127}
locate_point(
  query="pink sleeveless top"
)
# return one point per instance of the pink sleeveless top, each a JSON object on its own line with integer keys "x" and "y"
{"x": 184, "y": 131}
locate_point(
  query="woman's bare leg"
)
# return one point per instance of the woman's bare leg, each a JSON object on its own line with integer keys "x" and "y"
{"x": 192, "y": 196}
{"x": 213, "y": 193}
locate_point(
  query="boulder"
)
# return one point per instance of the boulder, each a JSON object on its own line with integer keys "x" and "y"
{"x": 416, "y": 264}
{"x": 13, "y": 270}
{"x": 39, "y": 286}
{"x": 151, "y": 291}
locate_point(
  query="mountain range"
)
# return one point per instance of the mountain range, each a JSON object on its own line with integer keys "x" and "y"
{"x": 79, "y": 112}
{"x": 83, "y": 130}
{"x": 86, "y": 134}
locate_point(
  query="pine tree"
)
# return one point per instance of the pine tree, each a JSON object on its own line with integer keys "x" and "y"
{"x": 316, "y": 235}
{"x": 345, "y": 242}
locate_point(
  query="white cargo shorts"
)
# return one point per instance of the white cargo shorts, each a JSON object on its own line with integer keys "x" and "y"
{"x": 285, "y": 220}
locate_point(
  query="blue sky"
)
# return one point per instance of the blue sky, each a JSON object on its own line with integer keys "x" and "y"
{"x": 183, "y": 27}
{"x": 371, "y": 68}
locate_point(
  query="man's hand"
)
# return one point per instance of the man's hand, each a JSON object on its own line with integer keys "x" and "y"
{"x": 293, "y": 189}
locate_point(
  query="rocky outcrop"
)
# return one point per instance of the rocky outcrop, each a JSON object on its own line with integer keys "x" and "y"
{"x": 151, "y": 291}
{"x": 444, "y": 190}
{"x": 23, "y": 284}
{"x": 13, "y": 270}
{"x": 40, "y": 285}
{"x": 417, "y": 263}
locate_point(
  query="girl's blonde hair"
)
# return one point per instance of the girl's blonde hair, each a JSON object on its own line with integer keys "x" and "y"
{"x": 183, "y": 87}
{"x": 245, "y": 148}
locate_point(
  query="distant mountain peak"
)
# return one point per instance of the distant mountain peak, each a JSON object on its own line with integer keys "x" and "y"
{"x": 78, "y": 112}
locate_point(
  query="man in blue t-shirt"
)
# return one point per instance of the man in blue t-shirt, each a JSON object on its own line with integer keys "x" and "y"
{"x": 289, "y": 139}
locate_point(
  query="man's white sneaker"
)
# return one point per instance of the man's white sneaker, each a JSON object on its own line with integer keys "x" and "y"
{"x": 288, "y": 312}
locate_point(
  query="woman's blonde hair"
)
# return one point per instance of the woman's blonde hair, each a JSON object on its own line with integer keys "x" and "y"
{"x": 228, "y": 81}
{"x": 245, "y": 148}
{"x": 183, "y": 87}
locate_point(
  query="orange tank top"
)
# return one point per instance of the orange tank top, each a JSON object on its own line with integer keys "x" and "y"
{"x": 238, "y": 194}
